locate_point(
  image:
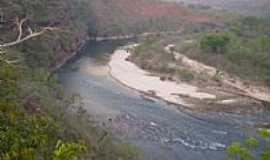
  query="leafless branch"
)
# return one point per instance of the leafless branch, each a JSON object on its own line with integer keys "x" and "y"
{"x": 20, "y": 25}
{"x": 31, "y": 34}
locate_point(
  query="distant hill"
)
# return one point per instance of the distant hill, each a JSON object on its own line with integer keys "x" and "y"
{"x": 247, "y": 7}
{"x": 136, "y": 16}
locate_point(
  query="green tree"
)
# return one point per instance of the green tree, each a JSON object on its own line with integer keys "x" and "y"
{"x": 238, "y": 151}
{"x": 215, "y": 42}
{"x": 68, "y": 151}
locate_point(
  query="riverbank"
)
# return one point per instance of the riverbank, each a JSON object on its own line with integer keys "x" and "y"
{"x": 68, "y": 55}
{"x": 132, "y": 76}
{"x": 131, "y": 36}
{"x": 188, "y": 94}
{"x": 154, "y": 127}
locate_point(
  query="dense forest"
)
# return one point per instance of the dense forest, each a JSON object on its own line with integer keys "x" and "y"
{"x": 37, "y": 120}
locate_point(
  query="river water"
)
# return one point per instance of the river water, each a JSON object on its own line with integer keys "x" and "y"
{"x": 160, "y": 130}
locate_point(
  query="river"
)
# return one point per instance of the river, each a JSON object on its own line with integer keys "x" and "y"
{"x": 160, "y": 130}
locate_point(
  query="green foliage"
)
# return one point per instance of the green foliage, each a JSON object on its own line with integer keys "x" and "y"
{"x": 244, "y": 47}
{"x": 250, "y": 26}
{"x": 264, "y": 133}
{"x": 233, "y": 149}
{"x": 41, "y": 75}
{"x": 215, "y": 42}
{"x": 251, "y": 142}
{"x": 70, "y": 16}
{"x": 29, "y": 137}
{"x": 151, "y": 55}
{"x": 22, "y": 135}
{"x": 237, "y": 151}
{"x": 252, "y": 53}
{"x": 43, "y": 127}
{"x": 68, "y": 151}
{"x": 266, "y": 154}
{"x": 37, "y": 120}
{"x": 9, "y": 75}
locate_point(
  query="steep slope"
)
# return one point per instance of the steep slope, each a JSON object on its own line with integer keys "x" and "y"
{"x": 50, "y": 49}
{"x": 36, "y": 118}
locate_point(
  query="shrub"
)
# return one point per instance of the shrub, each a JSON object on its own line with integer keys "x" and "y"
{"x": 215, "y": 42}
{"x": 30, "y": 137}
{"x": 185, "y": 75}
{"x": 240, "y": 151}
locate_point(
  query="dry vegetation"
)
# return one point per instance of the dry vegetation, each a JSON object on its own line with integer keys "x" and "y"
{"x": 245, "y": 7}
{"x": 240, "y": 48}
{"x": 112, "y": 17}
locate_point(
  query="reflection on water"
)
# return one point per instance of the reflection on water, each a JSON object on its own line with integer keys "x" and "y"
{"x": 160, "y": 130}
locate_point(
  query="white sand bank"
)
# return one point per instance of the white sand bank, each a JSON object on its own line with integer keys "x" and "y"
{"x": 256, "y": 92}
{"x": 132, "y": 76}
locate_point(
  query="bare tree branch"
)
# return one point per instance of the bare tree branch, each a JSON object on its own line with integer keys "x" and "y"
{"x": 20, "y": 37}
{"x": 20, "y": 25}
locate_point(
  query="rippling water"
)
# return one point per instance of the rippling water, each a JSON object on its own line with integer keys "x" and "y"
{"x": 162, "y": 131}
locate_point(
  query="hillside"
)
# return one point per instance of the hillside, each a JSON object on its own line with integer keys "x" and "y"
{"x": 245, "y": 7}
{"x": 235, "y": 58}
{"x": 52, "y": 48}
{"x": 77, "y": 20}
{"x": 125, "y": 17}
{"x": 37, "y": 120}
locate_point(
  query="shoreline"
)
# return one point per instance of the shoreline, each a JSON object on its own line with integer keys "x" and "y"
{"x": 191, "y": 96}
{"x": 65, "y": 59}
{"x": 259, "y": 93}
{"x": 145, "y": 95}
{"x": 133, "y": 77}
{"x": 130, "y": 36}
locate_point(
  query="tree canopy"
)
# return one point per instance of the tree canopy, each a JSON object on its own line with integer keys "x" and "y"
{"x": 215, "y": 42}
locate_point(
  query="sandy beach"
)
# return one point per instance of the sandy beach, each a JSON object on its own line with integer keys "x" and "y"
{"x": 134, "y": 77}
